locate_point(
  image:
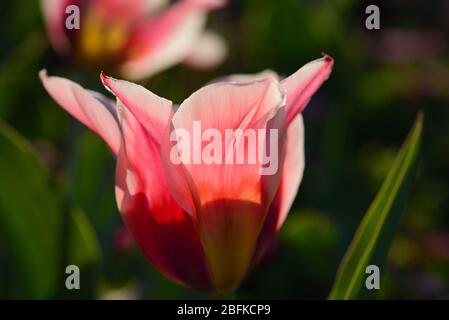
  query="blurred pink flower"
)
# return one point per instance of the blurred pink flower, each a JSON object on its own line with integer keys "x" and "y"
{"x": 399, "y": 46}
{"x": 202, "y": 225}
{"x": 123, "y": 241}
{"x": 137, "y": 38}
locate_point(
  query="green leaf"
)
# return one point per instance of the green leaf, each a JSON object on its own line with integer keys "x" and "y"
{"x": 373, "y": 237}
{"x": 94, "y": 183}
{"x": 29, "y": 219}
{"x": 84, "y": 247}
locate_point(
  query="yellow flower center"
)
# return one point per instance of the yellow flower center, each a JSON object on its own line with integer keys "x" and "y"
{"x": 101, "y": 42}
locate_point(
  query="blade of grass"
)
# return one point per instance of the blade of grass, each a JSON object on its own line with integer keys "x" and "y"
{"x": 373, "y": 237}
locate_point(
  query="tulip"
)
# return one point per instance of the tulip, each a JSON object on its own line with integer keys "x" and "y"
{"x": 202, "y": 225}
{"x": 136, "y": 38}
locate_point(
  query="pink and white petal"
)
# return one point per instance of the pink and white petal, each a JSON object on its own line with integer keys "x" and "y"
{"x": 118, "y": 10}
{"x": 210, "y": 51}
{"x": 224, "y": 106}
{"x": 54, "y": 15}
{"x": 92, "y": 109}
{"x": 163, "y": 231}
{"x": 293, "y": 170}
{"x": 303, "y": 84}
{"x": 180, "y": 183}
{"x": 161, "y": 56}
{"x": 152, "y": 111}
{"x": 172, "y": 247}
{"x": 143, "y": 157}
{"x": 245, "y": 78}
{"x": 126, "y": 10}
{"x": 291, "y": 177}
{"x": 233, "y": 198}
{"x": 167, "y": 39}
{"x": 143, "y": 117}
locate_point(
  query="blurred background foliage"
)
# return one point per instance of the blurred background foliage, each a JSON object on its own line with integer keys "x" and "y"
{"x": 57, "y": 202}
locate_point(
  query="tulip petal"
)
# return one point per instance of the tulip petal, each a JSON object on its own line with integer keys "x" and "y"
{"x": 152, "y": 111}
{"x": 180, "y": 183}
{"x": 232, "y": 106}
{"x": 167, "y": 39}
{"x": 210, "y": 51}
{"x": 293, "y": 170}
{"x": 54, "y": 15}
{"x": 92, "y": 109}
{"x": 303, "y": 84}
{"x": 300, "y": 87}
{"x": 163, "y": 231}
{"x": 143, "y": 117}
{"x": 119, "y": 10}
{"x": 232, "y": 199}
{"x": 244, "y": 78}
{"x": 292, "y": 174}
{"x": 126, "y": 10}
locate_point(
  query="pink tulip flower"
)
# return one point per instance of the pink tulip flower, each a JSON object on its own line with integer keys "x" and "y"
{"x": 136, "y": 38}
{"x": 202, "y": 225}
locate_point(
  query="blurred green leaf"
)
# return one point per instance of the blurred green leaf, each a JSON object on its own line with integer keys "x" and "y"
{"x": 31, "y": 214}
{"x": 84, "y": 246}
{"x": 375, "y": 233}
{"x": 29, "y": 217}
{"x": 310, "y": 231}
{"x": 94, "y": 183}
